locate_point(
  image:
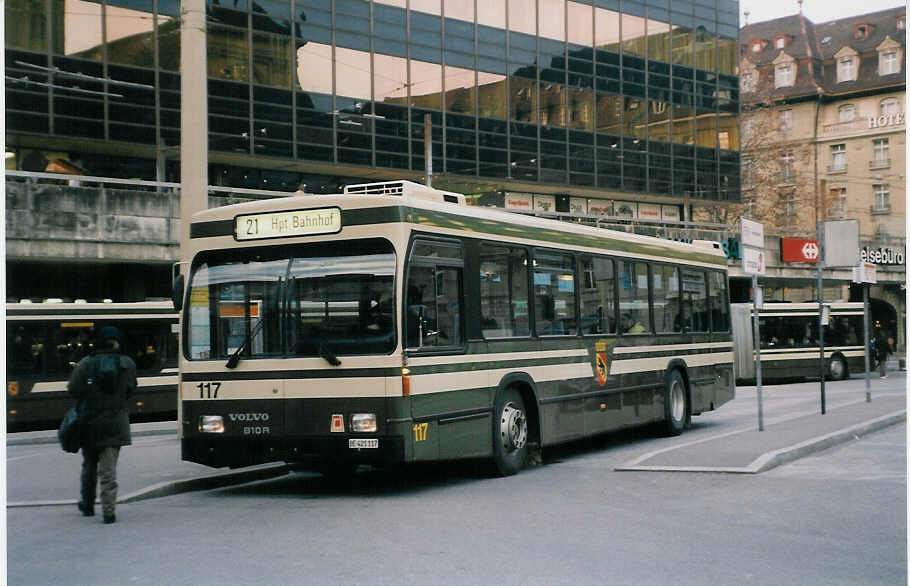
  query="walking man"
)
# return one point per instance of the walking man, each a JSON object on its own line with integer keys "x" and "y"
{"x": 103, "y": 383}
{"x": 882, "y": 349}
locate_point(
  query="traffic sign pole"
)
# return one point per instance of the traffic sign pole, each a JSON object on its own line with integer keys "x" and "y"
{"x": 821, "y": 322}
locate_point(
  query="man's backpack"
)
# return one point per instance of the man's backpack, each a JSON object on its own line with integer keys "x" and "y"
{"x": 107, "y": 370}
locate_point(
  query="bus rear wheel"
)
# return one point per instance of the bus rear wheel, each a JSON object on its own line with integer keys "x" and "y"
{"x": 676, "y": 404}
{"x": 510, "y": 433}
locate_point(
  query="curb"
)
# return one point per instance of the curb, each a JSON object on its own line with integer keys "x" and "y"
{"x": 52, "y": 439}
{"x": 162, "y": 489}
{"x": 776, "y": 458}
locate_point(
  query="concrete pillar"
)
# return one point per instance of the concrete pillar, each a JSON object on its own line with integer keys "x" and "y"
{"x": 194, "y": 160}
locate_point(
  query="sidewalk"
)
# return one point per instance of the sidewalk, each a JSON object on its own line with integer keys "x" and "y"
{"x": 749, "y": 451}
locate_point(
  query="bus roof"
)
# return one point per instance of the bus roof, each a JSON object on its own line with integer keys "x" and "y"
{"x": 417, "y": 204}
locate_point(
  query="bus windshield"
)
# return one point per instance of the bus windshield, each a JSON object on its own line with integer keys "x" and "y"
{"x": 324, "y": 299}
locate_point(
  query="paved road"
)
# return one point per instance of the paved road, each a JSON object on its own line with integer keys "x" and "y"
{"x": 836, "y": 518}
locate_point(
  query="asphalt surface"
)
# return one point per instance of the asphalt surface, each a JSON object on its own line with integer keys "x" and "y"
{"x": 745, "y": 450}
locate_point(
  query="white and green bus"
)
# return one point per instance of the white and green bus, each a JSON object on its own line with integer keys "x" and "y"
{"x": 394, "y": 323}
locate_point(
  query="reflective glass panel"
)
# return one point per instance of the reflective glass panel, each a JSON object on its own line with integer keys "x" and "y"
{"x": 606, "y": 29}
{"x": 352, "y": 73}
{"x": 272, "y": 59}
{"x": 726, "y": 55}
{"x": 658, "y": 121}
{"x": 704, "y": 49}
{"x": 581, "y": 31}
{"x": 728, "y": 131}
{"x": 130, "y": 37}
{"x": 552, "y": 104}
{"x": 683, "y": 133}
{"x": 460, "y": 90}
{"x": 80, "y": 35}
{"x": 390, "y": 79}
{"x": 314, "y": 68}
{"x": 609, "y": 113}
{"x": 428, "y": 6}
{"x": 553, "y": 19}
{"x": 228, "y": 53}
{"x": 460, "y": 9}
{"x": 26, "y": 24}
{"x": 169, "y": 42}
{"x": 682, "y": 46}
{"x": 398, "y": 3}
{"x": 634, "y": 40}
{"x": 523, "y": 16}
{"x": 524, "y": 102}
{"x": 491, "y": 96}
{"x": 658, "y": 41}
{"x": 426, "y": 85}
{"x": 491, "y": 13}
{"x": 581, "y": 108}
{"x": 706, "y": 131}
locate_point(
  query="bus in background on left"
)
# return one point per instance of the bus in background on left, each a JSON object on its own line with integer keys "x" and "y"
{"x": 44, "y": 341}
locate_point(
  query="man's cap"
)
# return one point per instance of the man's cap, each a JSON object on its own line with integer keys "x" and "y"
{"x": 109, "y": 333}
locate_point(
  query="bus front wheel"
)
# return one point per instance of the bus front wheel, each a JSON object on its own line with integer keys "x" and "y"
{"x": 676, "y": 404}
{"x": 837, "y": 368}
{"x": 510, "y": 432}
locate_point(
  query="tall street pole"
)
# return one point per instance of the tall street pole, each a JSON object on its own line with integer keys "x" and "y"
{"x": 194, "y": 157}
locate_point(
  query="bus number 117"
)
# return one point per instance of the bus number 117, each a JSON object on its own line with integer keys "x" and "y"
{"x": 208, "y": 390}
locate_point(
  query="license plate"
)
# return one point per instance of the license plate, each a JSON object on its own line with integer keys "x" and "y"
{"x": 363, "y": 443}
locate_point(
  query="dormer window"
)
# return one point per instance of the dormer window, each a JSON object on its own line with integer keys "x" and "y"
{"x": 748, "y": 81}
{"x": 756, "y": 46}
{"x": 901, "y": 22}
{"x": 846, "y": 69}
{"x": 783, "y": 75}
{"x": 890, "y": 55}
{"x": 780, "y": 41}
{"x": 847, "y": 63}
{"x": 862, "y": 31}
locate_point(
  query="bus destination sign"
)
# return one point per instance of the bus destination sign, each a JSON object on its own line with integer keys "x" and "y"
{"x": 286, "y": 224}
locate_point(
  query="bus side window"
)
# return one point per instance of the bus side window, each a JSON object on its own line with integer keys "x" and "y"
{"x": 433, "y": 295}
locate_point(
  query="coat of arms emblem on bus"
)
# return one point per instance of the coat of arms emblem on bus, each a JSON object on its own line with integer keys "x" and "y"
{"x": 603, "y": 354}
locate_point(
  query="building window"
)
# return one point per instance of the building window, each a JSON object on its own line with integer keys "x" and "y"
{"x": 780, "y": 43}
{"x": 783, "y": 75}
{"x": 846, "y": 113}
{"x": 881, "y": 197}
{"x": 846, "y": 69}
{"x": 838, "y": 157}
{"x": 756, "y": 46}
{"x": 837, "y": 202}
{"x": 748, "y": 81}
{"x": 889, "y": 107}
{"x": 786, "y": 209}
{"x": 786, "y": 120}
{"x": 862, "y": 31}
{"x": 786, "y": 166}
{"x": 901, "y": 21}
{"x": 881, "y": 156}
{"x": 889, "y": 63}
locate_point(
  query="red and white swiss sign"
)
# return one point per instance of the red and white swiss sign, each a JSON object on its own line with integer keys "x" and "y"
{"x": 798, "y": 250}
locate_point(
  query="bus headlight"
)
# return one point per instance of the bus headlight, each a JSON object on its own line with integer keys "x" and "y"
{"x": 363, "y": 422}
{"x": 211, "y": 424}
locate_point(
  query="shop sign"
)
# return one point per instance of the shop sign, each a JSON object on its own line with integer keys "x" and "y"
{"x": 578, "y": 206}
{"x": 649, "y": 211}
{"x": 600, "y": 207}
{"x": 799, "y": 250}
{"x": 670, "y": 213}
{"x": 545, "y": 203}
{"x": 519, "y": 201}
{"x": 881, "y": 256}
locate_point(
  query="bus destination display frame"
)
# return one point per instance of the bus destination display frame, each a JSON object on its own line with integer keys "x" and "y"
{"x": 286, "y": 224}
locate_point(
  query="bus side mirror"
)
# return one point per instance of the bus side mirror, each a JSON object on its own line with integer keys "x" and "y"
{"x": 177, "y": 291}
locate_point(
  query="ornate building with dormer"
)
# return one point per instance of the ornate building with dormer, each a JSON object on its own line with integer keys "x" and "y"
{"x": 823, "y": 138}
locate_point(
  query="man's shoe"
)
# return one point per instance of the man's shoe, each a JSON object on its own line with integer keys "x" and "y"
{"x": 108, "y": 519}
{"x": 86, "y": 511}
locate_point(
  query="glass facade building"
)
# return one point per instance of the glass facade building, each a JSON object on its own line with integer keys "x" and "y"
{"x": 606, "y": 96}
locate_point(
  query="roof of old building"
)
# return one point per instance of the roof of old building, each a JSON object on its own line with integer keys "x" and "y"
{"x": 814, "y": 46}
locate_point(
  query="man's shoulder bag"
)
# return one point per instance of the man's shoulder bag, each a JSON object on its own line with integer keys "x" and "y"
{"x": 70, "y": 432}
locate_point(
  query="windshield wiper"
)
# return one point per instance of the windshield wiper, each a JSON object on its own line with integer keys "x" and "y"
{"x": 326, "y": 353}
{"x": 234, "y": 359}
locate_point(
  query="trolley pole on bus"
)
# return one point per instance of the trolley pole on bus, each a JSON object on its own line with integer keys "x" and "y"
{"x": 752, "y": 237}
